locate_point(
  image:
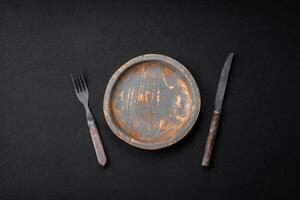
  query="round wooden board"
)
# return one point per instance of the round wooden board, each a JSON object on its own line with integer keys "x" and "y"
{"x": 151, "y": 102}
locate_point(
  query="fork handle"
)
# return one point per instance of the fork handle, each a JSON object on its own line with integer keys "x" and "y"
{"x": 211, "y": 139}
{"x": 97, "y": 142}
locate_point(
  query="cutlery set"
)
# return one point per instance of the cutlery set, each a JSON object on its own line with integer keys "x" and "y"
{"x": 152, "y": 102}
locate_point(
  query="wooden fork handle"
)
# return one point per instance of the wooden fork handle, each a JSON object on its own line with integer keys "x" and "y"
{"x": 97, "y": 143}
{"x": 211, "y": 139}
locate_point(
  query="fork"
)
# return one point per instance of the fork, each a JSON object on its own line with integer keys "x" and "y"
{"x": 82, "y": 94}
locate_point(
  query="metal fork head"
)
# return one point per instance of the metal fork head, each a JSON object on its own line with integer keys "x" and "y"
{"x": 80, "y": 87}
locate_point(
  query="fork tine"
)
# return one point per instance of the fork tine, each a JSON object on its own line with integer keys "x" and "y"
{"x": 83, "y": 81}
{"x": 79, "y": 83}
{"x": 74, "y": 83}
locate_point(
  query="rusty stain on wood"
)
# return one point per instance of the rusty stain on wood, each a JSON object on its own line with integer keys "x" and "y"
{"x": 151, "y": 102}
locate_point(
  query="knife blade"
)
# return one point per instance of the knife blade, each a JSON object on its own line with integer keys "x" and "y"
{"x": 217, "y": 111}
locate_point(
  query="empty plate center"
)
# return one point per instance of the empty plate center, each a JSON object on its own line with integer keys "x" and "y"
{"x": 151, "y": 101}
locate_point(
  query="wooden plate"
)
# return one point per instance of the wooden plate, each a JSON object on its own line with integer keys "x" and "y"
{"x": 151, "y": 102}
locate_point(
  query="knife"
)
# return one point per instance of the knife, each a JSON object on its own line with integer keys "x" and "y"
{"x": 217, "y": 112}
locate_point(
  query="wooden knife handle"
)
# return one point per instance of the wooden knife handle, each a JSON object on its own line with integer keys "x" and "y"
{"x": 97, "y": 144}
{"x": 211, "y": 139}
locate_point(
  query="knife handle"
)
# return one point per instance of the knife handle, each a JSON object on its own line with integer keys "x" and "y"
{"x": 97, "y": 143}
{"x": 211, "y": 139}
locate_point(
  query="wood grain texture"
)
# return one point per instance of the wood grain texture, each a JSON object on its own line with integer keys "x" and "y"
{"x": 151, "y": 102}
{"x": 101, "y": 157}
{"x": 211, "y": 139}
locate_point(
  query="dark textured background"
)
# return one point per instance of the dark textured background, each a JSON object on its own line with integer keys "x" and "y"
{"x": 45, "y": 148}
